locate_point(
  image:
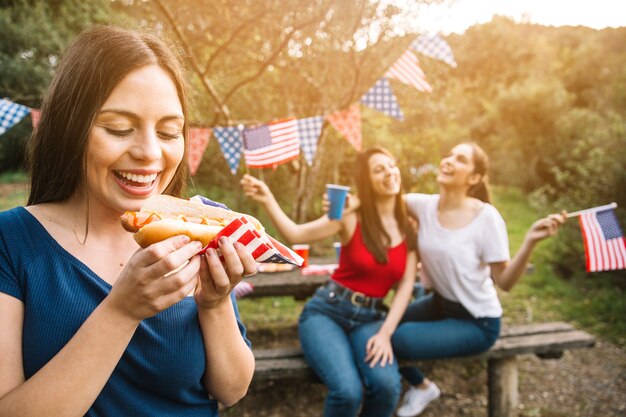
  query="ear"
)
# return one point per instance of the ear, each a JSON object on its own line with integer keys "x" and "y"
{"x": 474, "y": 179}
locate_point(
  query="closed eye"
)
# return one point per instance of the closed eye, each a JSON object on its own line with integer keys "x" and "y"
{"x": 120, "y": 133}
{"x": 165, "y": 135}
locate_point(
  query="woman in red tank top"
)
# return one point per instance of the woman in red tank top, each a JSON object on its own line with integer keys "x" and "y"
{"x": 345, "y": 330}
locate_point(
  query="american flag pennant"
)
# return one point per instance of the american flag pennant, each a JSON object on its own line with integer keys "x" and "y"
{"x": 35, "y": 116}
{"x": 271, "y": 144}
{"x": 348, "y": 123}
{"x": 380, "y": 97}
{"x": 604, "y": 242}
{"x": 263, "y": 247}
{"x": 434, "y": 46}
{"x": 407, "y": 70}
{"x": 229, "y": 139}
{"x": 10, "y": 114}
{"x": 198, "y": 141}
{"x": 309, "y": 130}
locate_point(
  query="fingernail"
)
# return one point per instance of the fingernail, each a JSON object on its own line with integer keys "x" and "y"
{"x": 238, "y": 245}
{"x": 211, "y": 252}
{"x": 223, "y": 240}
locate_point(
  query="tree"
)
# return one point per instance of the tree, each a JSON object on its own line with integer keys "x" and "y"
{"x": 34, "y": 33}
{"x": 252, "y": 62}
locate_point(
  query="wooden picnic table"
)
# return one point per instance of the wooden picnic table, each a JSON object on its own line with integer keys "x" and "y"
{"x": 291, "y": 283}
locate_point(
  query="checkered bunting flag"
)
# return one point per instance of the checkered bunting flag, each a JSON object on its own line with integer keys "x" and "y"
{"x": 10, "y": 114}
{"x": 381, "y": 98}
{"x": 434, "y": 46}
{"x": 229, "y": 139}
{"x": 309, "y": 130}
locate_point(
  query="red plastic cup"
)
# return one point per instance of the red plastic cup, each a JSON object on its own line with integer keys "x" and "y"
{"x": 303, "y": 251}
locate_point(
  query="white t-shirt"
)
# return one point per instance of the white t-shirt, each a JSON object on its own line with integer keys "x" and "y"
{"x": 456, "y": 261}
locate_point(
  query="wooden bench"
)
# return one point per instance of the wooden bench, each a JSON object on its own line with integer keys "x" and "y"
{"x": 546, "y": 340}
{"x": 291, "y": 283}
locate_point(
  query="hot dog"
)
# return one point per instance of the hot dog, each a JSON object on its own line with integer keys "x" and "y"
{"x": 164, "y": 216}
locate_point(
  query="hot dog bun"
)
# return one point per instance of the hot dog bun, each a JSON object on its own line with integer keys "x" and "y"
{"x": 166, "y": 228}
{"x": 164, "y": 216}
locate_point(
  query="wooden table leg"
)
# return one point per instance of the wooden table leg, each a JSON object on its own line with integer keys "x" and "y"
{"x": 503, "y": 391}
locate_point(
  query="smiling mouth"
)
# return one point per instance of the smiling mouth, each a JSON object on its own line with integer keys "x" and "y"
{"x": 135, "y": 180}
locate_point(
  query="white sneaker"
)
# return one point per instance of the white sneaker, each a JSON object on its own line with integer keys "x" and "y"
{"x": 416, "y": 399}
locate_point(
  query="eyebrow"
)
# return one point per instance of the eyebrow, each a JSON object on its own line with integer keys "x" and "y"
{"x": 134, "y": 116}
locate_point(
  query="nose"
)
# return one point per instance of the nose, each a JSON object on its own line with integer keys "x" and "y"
{"x": 146, "y": 147}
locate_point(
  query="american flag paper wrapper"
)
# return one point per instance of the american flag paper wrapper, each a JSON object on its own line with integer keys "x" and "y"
{"x": 263, "y": 247}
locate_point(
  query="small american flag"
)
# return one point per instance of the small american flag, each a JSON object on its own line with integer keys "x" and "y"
{"x": 605, "y": 247}
{"x": 271, "y": 144}
{"x": 407, "y": 70}
{"x": 262, "y": 247}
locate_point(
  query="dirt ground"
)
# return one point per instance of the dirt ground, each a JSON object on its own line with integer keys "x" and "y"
{"x": 583, "y": 383}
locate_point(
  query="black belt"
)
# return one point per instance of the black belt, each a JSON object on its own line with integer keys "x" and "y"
{"x": 356, "y": 298}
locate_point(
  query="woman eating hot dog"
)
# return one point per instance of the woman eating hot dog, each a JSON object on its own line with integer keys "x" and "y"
{"x": 91, "y": 323}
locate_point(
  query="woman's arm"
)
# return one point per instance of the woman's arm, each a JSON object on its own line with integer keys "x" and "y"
{"x": 379, "y": 346}
{"x": 506, "y": 274}
{"x": 293, "y": 232}
{"x": 71, "y": 381}
{"x": 229, "y": 360}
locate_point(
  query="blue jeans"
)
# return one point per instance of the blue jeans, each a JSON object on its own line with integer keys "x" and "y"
{"x": 333, "y": 334}
{"x": 433, "y": 327}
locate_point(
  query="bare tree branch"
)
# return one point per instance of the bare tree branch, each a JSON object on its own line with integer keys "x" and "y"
{"x": 206, "y": 82}
{"x": 276, "y": 53}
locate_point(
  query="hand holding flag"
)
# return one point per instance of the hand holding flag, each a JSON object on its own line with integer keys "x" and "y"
{"x": 605, "y": 246}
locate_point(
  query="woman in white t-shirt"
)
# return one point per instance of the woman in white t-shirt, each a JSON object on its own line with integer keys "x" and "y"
{"x": 464, "y": 250}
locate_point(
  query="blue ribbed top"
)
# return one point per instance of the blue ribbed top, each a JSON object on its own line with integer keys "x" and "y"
{"x": 159, "y": 374}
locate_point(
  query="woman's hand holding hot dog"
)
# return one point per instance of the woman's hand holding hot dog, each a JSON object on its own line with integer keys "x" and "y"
{"x": 156, "y": 278}
{"x": 217, "y": 279}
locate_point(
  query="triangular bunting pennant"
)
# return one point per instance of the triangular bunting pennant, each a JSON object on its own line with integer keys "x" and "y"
{"x": 229, "y": 139}
{"x": 380, "y": 97}
{"x": 434, "y": 46}
{"x": 198, "y": 141}
{"x": 309, "y": 130}
{"x": 272, "y": 144}
{"x": 10, "y": 114}
{"x": 348, "y": 123}
{"x": 35, "y": 116}
{"x": 407, "y": 70}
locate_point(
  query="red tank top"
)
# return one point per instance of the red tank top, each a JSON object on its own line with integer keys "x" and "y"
{"x": 359, "y": 270}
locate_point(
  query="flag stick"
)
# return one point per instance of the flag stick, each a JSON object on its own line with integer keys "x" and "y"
{"x": 591, "y": 210}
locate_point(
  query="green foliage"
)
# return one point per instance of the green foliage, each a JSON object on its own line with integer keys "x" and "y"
{"x": 548, "y": 104}
{"x": 33, "y": 34}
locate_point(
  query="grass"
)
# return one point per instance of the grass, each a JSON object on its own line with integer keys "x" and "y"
{"x": 594, "y": 302}
{"x": 13, "y": 189}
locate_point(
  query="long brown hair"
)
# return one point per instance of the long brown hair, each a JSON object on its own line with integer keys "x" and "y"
{"x": 481, "y": 167}
{"x": 98, "y": 59}
{"x": 376, "y": 239}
